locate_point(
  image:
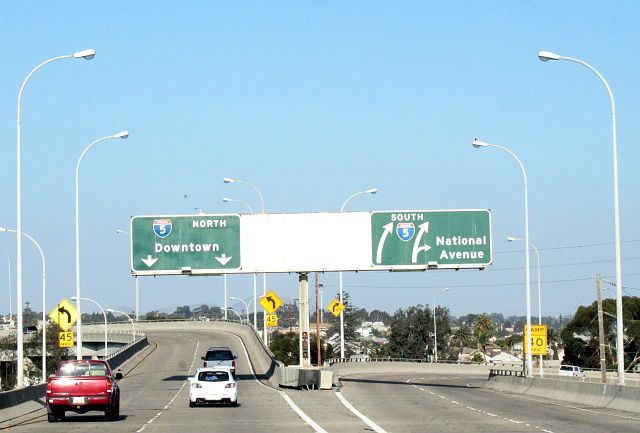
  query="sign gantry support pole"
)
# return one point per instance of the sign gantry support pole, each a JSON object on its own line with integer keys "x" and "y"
{"x": 303, "y": 314}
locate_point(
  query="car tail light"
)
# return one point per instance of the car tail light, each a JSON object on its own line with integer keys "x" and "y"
{"x": 233, "y": 363}
{"x": 109, "y": 386}
{"x": 49, "y": 386}
{"x": 196, "y": 385}
{"x": 230, "y": 385}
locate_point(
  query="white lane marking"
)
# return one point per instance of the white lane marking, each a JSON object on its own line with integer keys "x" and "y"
{"x": 195, "y": 353}
{"x": 564, "y": 405}
{"x": 306, "y": 418}
{"x": 474, "y": 409}
{"x": 301, "y": 414}
{"x": 375, "y": 427}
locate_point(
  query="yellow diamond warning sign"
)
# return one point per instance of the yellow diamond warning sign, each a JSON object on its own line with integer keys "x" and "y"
{"x": 335, "y": 307}
{"x": 64, "y": 314}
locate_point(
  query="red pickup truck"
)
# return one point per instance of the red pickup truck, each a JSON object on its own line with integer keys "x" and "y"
{"x": 81, "y": 386}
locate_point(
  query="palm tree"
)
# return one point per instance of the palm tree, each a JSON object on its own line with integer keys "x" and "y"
{"x": 482, "y": 330}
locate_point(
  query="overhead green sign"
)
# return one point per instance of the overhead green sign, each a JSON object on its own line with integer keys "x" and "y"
{"x": 431, "y": 239}
{"x": 182, "y": 244}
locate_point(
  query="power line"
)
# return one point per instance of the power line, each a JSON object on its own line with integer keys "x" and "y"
{"x": 569, "y": 280}
{"x": 593, "y": 262}
{"x": 565, "y": 247}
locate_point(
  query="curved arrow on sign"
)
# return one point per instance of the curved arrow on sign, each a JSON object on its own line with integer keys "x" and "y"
{"x": 63, "y": 310}
{"x": 424, "y": 229}
{"x": 273, "y": 302}
{"x": 388, "y": 228}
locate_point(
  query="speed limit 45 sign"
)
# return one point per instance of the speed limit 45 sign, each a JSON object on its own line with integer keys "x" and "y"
{"x": 538, "y": 339}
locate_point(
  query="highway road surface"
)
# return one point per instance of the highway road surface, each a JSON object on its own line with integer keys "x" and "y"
{"x": 155, "y": 400}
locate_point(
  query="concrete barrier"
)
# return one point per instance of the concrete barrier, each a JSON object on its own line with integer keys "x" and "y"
{"x": 19, "y": 396}
{"x": 593, "y": 394}
{"x": 346, "y": 368}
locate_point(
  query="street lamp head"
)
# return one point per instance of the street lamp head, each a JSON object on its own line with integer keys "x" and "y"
{"x": 545, "y": 56}
{"x": 74, "y": 298}
{"x": 227, "y": 200}
{"x": 121, "y": 231}
{"x": 511, "y": 239}
{"x": 228, "y": 180}
{"x": 121, "y": 134}
{"x": 85, "y": 54}
{"x": 478, "y": 143}
{"x": 3, "y": 229}
{"x": 372, "y": 191}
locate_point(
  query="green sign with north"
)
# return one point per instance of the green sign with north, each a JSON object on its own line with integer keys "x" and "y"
{"x": 431, "y": 239}
{"x": 181, "y": 244}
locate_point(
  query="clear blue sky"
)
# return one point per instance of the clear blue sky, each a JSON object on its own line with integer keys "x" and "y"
{"x": 312, "y": 101}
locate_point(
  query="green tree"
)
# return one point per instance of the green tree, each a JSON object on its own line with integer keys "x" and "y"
{"x": 411, "y": 332}
{"x": 183, "y": 312}
{"x": 482, "y": 330}
{"x": 581, "y": 341}
{"x": 285, "y": 347}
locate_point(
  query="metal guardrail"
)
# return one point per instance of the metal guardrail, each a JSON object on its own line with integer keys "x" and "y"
{"x": 505, "y": 372}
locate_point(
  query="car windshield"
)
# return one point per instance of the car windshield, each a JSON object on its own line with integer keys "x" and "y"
{"x": 213, "y": 376}
{"x": 219, "y": 355}
{"x": 85, "y": 369}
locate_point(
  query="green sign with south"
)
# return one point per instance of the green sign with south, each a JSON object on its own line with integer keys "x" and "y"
{"x": 431, "y": 239}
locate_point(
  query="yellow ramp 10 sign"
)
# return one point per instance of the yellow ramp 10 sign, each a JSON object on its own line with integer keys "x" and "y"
{"x": 538, "y": 339}
{"x": 64, "y": 314}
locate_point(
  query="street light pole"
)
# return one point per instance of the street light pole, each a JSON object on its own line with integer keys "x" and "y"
{"x": 137, "y": 286}
{"x": 546, "y": 56}
{"x": 511, "y": 239}
{"x": 84, "y": 54}
{"x": 233, "y": 298}
{"x": 10, "y": 290}
{"x": 224, "y": 277}
{"x": 133, "y": 326}
{"x": 264, "y": 276}
{"x": 44, "y": 298}
{"x": 369, "y": 191}
{"x": 477, "y": 144}
{"x": 233, "y": 311}
{"x": 255, "y": 277}
{"x": 231, "y": 200}
{"x": 74, "y": 298}
{"x": 122, "y": 134}
{"x": 435, "y": 330}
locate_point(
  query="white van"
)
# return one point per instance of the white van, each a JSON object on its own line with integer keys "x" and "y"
{"x": 570, "y": 370}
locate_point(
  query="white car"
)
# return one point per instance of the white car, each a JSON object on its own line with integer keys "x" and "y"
{"x": 570, "y": 370}
{"x": 213, "y": 385}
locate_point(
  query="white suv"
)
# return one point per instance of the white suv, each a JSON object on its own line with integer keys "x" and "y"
{"x": 220, "y": 357}
{"x": 570, "y": 370}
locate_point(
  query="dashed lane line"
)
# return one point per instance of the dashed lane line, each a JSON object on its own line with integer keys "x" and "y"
{"x": 195, "y": 354}
{"x": 473, "y": 409}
